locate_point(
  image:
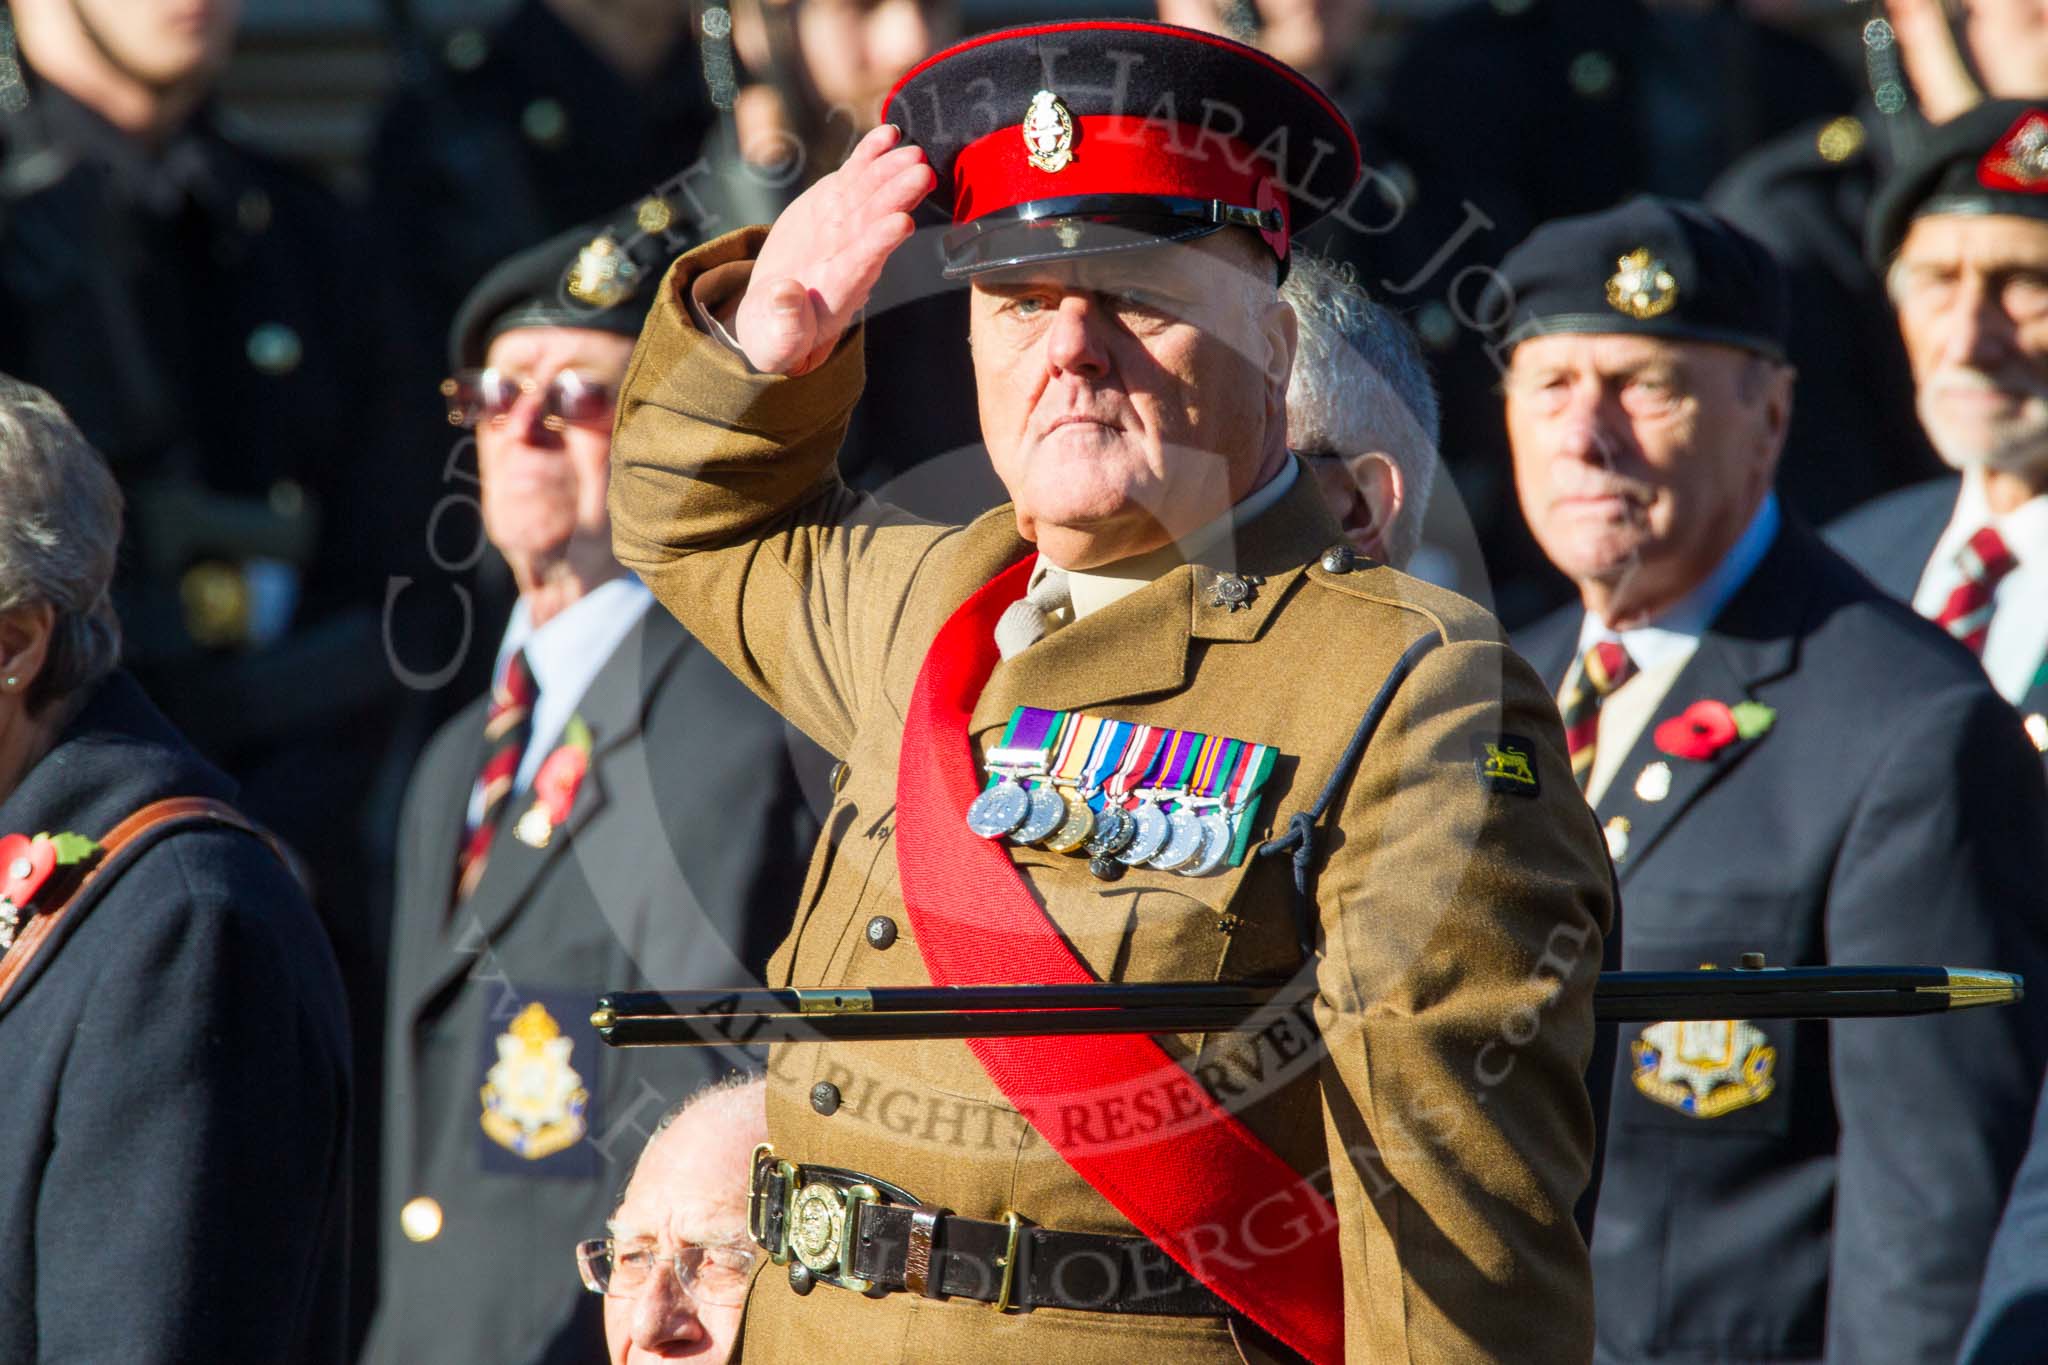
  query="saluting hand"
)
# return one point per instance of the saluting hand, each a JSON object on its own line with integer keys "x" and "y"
{"x": 826, "y": 251}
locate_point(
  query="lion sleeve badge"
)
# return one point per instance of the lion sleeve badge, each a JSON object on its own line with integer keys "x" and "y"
{"x": 1705, "y": 1068}
{"x": 535, "y": 1103}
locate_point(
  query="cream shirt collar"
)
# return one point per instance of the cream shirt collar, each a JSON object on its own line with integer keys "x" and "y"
{"x": 1094, "y": 589}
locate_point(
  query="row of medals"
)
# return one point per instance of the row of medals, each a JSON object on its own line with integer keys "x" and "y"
{"x": 1194, "y": 838}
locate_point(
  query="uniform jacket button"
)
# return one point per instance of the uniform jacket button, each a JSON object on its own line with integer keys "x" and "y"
{"x": 839, "y": 775}
{"x": 881, "y": 932}
{"x": 1340, "y": 559}
{"x": 825, "y": 1098}
{"x": 420, "y": 1219}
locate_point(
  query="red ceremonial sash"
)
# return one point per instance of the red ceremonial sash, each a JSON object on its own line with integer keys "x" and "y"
{"x": 1201, "y": 1185}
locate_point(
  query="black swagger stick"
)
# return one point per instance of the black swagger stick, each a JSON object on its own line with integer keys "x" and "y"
{"x": 758, "y": 1015}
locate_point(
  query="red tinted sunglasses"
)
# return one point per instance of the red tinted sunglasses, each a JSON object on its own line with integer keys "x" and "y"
{"x": 568, "y": 399}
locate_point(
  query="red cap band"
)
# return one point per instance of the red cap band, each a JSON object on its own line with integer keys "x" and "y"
{"x": 1115, "y": 154}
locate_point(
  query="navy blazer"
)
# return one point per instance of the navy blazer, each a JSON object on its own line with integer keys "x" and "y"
{"x": 1829, "y": 1191}
{"x": 174, "y": 1121}
{"x": 1892, "y": 538}
{"x": 2011, "y": 1326}
{"x": 678, "y": 865}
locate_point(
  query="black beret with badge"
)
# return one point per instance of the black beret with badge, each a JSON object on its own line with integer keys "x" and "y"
{"x": 1650, "y": 267}
{"x": 1079, "y": 138}
{"x": 600, "y": 276}
{"x": 1991, "y": 160}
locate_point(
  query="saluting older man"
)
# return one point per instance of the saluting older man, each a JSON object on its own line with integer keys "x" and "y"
{"x": 1113, "y": 731}
{"x": 1785, "y": 762}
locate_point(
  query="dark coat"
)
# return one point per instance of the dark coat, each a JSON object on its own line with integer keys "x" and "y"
{"x": 1892, "y": 813}
{"x": 2011, "y": 1326}
{"x": 1892, "y": 539}
{"x": 175, "y": 1112}
{"x": 678, "y": 866}
{"x": 1805, "y": 195}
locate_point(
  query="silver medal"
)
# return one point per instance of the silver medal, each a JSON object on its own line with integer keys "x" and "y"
{"x": 1114, "y": 830}
{"x": 999, "y": 810}
{"x": 1048, "y": 811}
{"x": 1151, "y": 835}
{"x": 1217, "y": 837}
{"x": 1183, "y": 839}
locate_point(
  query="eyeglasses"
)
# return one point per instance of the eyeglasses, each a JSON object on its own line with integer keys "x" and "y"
{"x": 569, "y": 398}
{"x": 715, "y": 1275}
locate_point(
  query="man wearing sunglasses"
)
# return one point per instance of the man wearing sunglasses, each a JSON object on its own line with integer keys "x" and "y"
{"x": 559, "y": 840}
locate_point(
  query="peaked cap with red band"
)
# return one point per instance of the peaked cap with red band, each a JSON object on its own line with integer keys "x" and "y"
{"x": 1991, "y": 160}
{"x": 1073, "y": 139}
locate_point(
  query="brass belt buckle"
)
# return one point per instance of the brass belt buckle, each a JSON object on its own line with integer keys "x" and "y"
{"x": 822, "y": 1225}
{"x": 1008, "y": 1261}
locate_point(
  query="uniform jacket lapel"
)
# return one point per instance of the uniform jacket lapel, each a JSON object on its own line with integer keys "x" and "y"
{"x": 614, "y": 709}
{"x": 1142, "y": 645}
{"x": 1751, "y": 643}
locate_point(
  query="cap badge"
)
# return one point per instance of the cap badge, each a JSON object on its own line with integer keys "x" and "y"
{"x": 1641, "y": 286}
{"x": 1049, "y": 132}
{"x": 2019, "y": 160}
{"x": 603, "y": 275}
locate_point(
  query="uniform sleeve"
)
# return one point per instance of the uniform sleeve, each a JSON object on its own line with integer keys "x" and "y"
{"x": 192, "y": 1205}
{"x": 1463, "y": 920}
{"x": 1944, "y": 864}
{"x": 726, "y": 499}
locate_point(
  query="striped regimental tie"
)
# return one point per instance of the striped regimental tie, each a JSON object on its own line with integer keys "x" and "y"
{"x": 1984, "y": 559}
{"x": 1597, "y": 672}
{"x": 507, "y": 727}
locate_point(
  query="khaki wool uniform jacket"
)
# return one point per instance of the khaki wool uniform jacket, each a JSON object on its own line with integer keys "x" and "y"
{"x": 1461, "y": 927}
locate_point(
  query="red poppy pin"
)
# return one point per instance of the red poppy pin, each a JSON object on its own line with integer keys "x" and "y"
{"x": 555, "y": 786}
{"x": 1707, "y": 727}
{"x": 27, "y": 865}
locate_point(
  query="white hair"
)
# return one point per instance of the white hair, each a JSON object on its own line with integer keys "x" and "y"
{"x": 1360, "y": 383}
{"x": 735, "y": 1106}
{"x": 60, "y": 529}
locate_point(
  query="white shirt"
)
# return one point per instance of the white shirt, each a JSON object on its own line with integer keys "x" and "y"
{"x": 1661, "y": 648}
{"x": 2018, "y": 638}
{"x": 565, "y": 656}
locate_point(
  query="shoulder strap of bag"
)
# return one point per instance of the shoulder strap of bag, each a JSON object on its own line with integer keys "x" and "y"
{"x": 119, "y": 847}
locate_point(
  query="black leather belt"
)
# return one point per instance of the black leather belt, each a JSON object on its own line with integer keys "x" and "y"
{"x": 854, "y": 1231}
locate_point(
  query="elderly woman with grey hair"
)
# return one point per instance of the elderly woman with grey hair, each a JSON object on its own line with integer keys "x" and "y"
{"x": 1361, "y": 410}
{"x": 176, "y": 1047}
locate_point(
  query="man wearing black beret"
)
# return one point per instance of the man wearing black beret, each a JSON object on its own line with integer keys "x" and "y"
{"x": 617, "y": 813}
{"x": 1123, "y": 729}
{"x": 1961, "y": 234}
{"x": 1785, "y": 762}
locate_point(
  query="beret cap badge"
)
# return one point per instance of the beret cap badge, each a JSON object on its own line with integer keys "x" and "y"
{"x": 1049, "y": 132}
{"x": 603, "y": 276}
{"x": 1642, "y": 286}
{"x": 2019, "y": 160}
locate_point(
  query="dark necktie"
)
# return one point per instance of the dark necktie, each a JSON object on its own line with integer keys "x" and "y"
{"x": 507, "y": 728}
{"x": 1598, "y": 672}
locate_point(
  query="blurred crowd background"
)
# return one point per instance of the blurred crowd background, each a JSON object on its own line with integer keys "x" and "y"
{"x": 256, "y": 331}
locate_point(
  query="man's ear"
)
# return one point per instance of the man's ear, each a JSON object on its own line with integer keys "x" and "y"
{"x": 1380, "y": 492}
{"x": 1281, "y": 333}
{"x": 25, "y": 644}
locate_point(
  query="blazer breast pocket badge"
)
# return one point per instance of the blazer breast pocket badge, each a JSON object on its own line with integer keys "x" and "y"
{"x": 536, "y": 1105}
{"x": 1705, "y": 1068}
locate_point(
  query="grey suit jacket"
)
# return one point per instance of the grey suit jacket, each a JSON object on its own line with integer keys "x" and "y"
{"x": 678, "y": 866}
